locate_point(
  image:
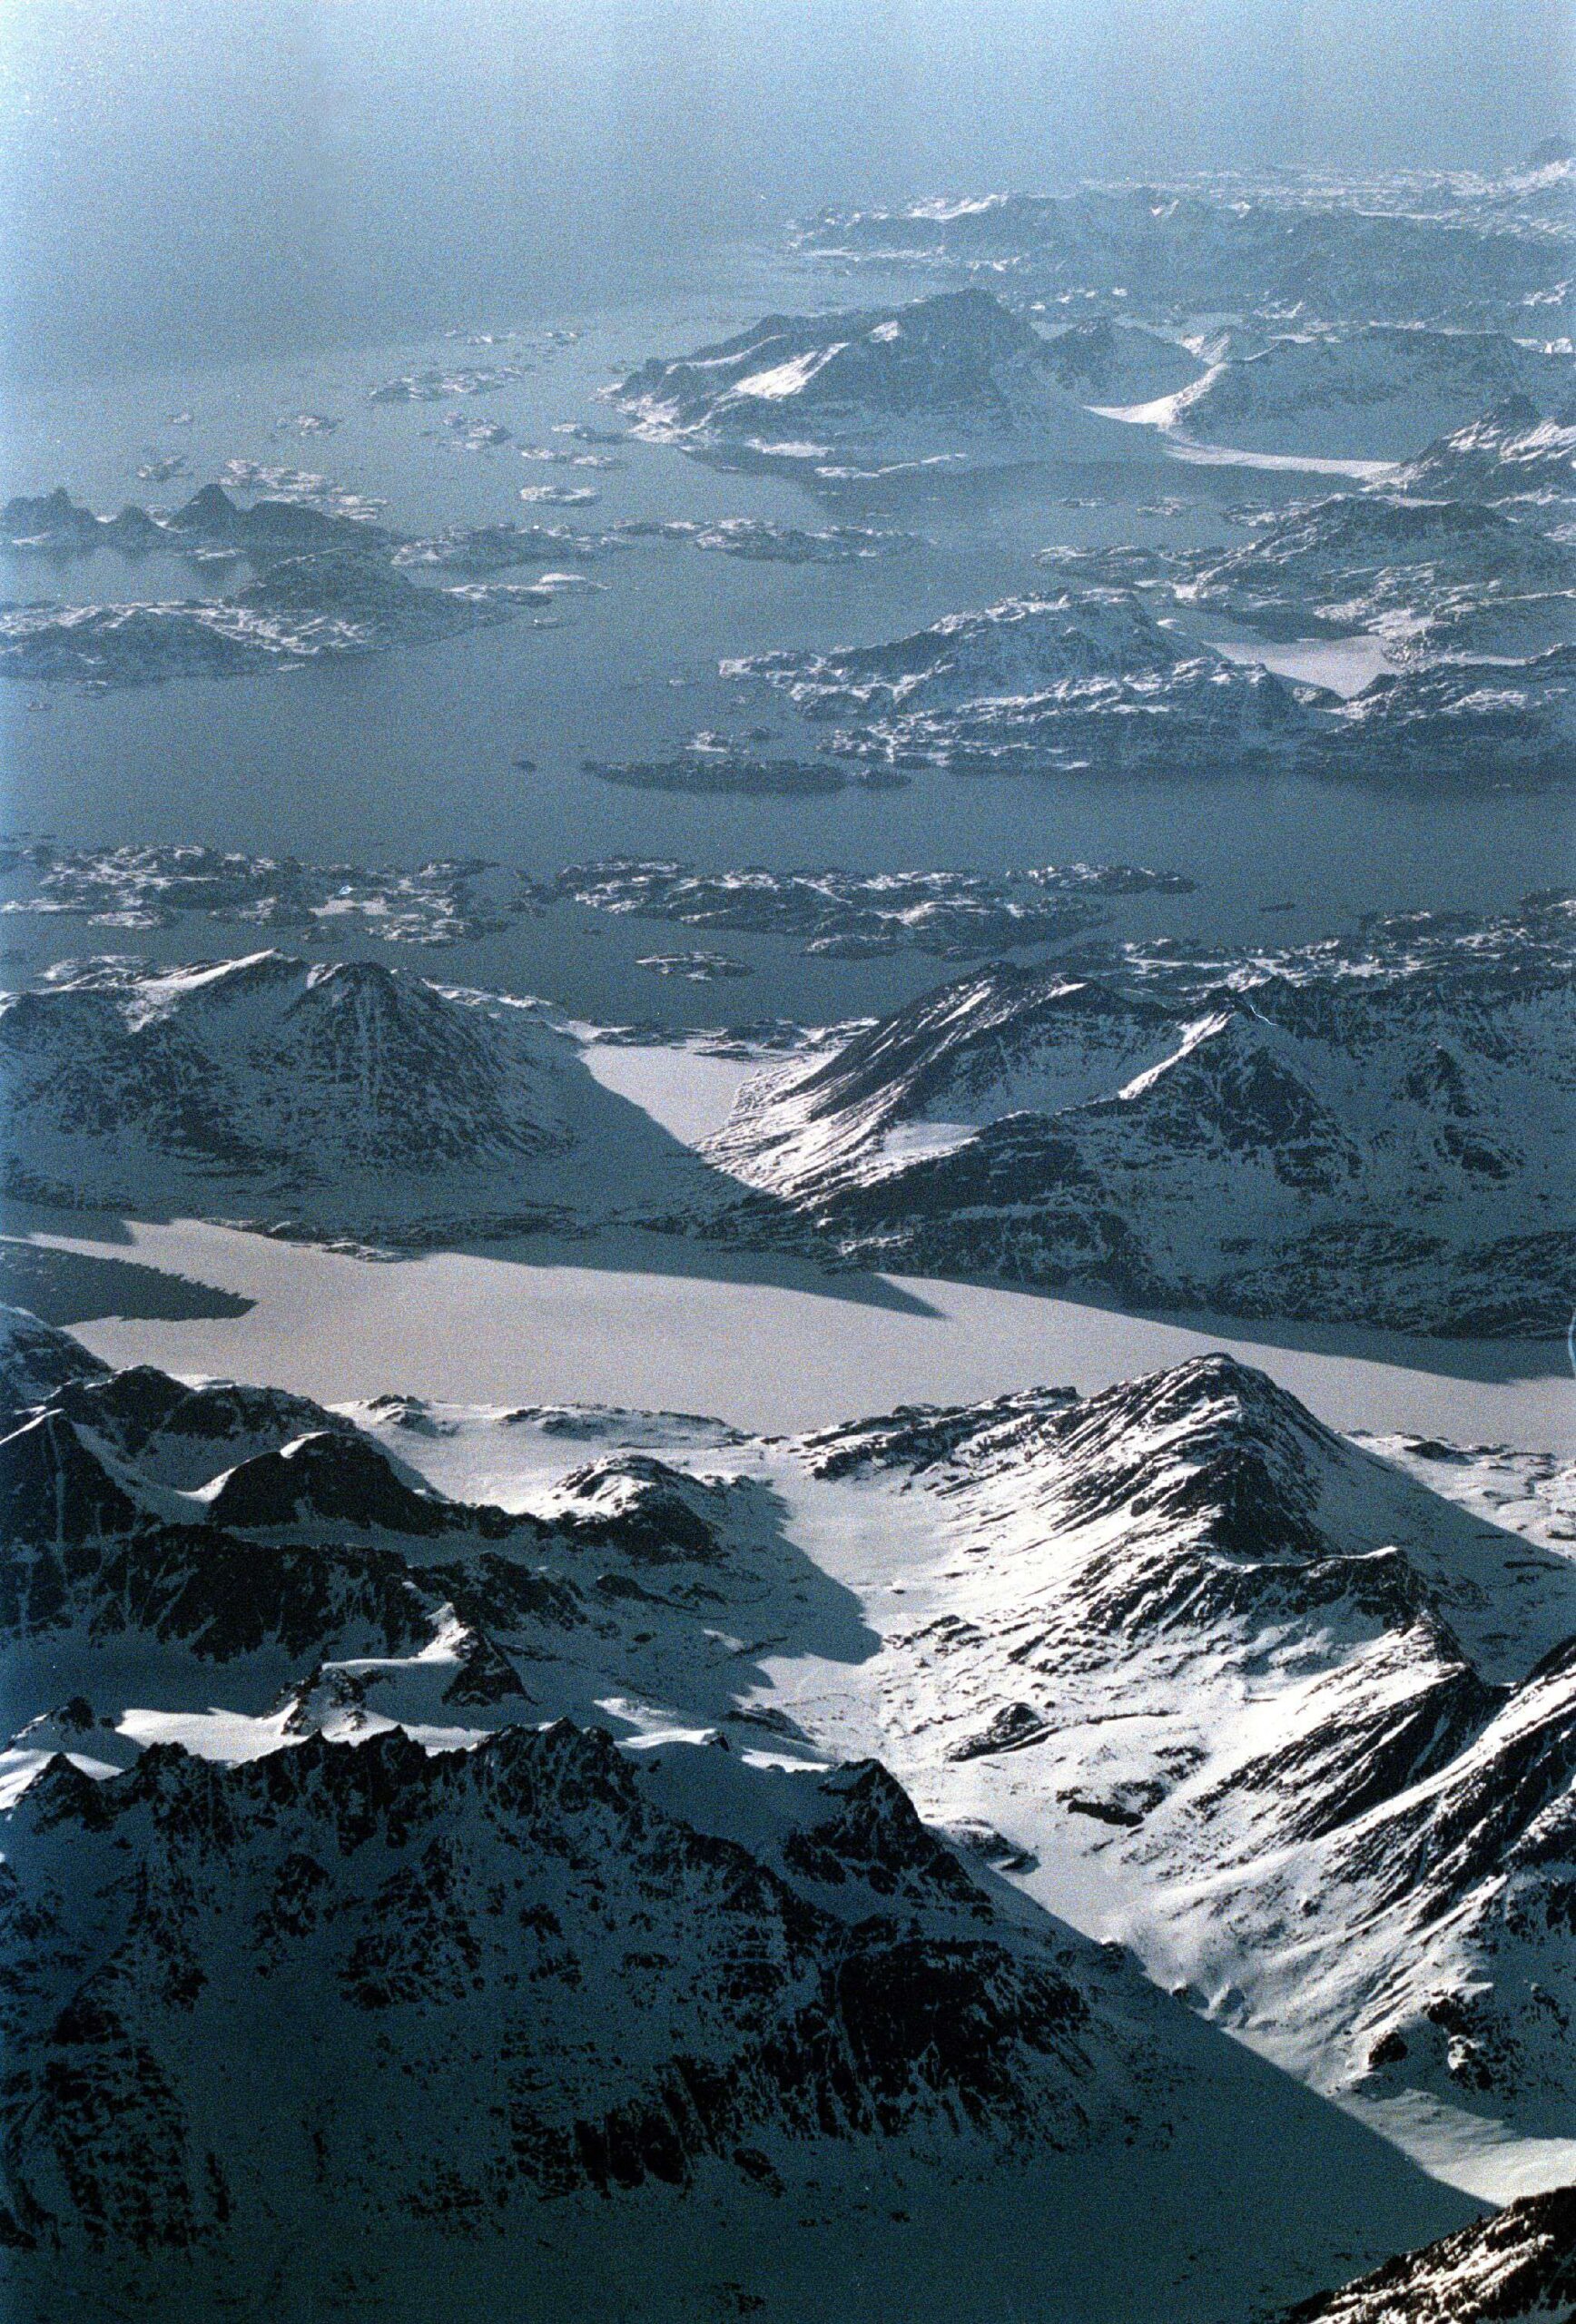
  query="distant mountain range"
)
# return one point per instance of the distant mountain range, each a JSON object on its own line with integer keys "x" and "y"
{"x": 1457, "y": 250}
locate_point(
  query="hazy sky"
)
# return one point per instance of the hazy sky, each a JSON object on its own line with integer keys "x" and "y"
{"x": 181, "y": 176}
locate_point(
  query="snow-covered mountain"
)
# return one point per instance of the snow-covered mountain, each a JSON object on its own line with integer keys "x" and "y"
{"x": 1348, "y": 559}
{"x": 211, "y": 521}
{"x": 434, "y": 904}
{"x": 329, "y": 1097}
{"x": 953, "y": 378}
{"x": 434, "y": 1953}
{"x": 1462, "y": 718}
{"x": 1513, "y": 453}
{"x": 341, "y": 602}
{"x": 1434, "y": 578}
{"x": 851, "y": 915}
{"x": 1079, "y": 679}
{"x": 1373, "y": 1130}
{"x": 1314, "y": 1719}
{"x": 685, "y": 2018}
{"x": 1088, "y": 680}
{"x": 1020, "y": 647}
{"x": 1375, "y": 393}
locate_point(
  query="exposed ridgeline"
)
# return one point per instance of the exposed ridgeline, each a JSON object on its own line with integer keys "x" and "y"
{"x": 1372, "y": 1130}
{"x": 1316, "y": 1719}
{"x": 547, "y": 2013}
{"x": 328, "y": 1098}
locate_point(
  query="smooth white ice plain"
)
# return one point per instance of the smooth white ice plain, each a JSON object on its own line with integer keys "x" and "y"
{"x": 765, "y": 1342}
{"x": 687, "y": 1095}
{"x": 1344, "y": 665}
{"x": 657, "y": 1322}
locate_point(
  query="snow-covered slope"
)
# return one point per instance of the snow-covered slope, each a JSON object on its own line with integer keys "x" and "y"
{"x": 1375, "y": 1131}
{"x": 1517, "y": 2268}
{"x": 676, "y": 2026}
{"x": 956, "y": 377}
{"x": 36, "y": 1362}
{"x": 1513, "y": 453}
{"x": 1315, "y": 1720}
{"x": 1376, "y": 393}
{"x": 343, "y": 1098}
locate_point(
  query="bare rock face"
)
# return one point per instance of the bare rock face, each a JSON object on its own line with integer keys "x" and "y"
{"x": 457, "y": 1927}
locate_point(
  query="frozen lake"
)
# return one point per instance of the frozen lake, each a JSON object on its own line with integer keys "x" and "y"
{"x": 658, "y": 1322}
{"x": 651, "y": 1321}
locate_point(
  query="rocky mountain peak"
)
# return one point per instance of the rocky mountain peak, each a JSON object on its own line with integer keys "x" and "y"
{"x": 54, "y": 1489}
{"x": 331, "y": 1478}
